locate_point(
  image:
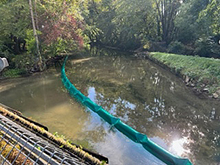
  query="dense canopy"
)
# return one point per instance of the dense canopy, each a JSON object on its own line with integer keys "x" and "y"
{"x": 190, "y": 27}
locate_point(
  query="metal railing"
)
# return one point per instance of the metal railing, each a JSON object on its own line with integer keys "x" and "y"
{"x": 20, "y": 146}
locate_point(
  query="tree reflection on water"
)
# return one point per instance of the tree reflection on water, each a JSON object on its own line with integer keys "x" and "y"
{"x": 154, "y": 102}
{"x": 141, "y": 94}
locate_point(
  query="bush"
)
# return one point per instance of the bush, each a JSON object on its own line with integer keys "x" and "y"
{"x": 30, "y": 42}
{"x": 207, "y": 47}
{"x": 23, "y": 61}
{"x": 12, "y": 73}
{"x": 177, "y": 48}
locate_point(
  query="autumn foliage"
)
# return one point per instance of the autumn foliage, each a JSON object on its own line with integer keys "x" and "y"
{"x": 62, "y": 25}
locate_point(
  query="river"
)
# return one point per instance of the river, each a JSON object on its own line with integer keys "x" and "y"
{"x": 143, "y": 95}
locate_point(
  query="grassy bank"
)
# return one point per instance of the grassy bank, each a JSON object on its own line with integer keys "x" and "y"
{"x": 203, "y": 74}
{"x": 13, "y": 73}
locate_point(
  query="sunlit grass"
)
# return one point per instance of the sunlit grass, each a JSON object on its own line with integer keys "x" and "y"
{"x": 205, "y": 71}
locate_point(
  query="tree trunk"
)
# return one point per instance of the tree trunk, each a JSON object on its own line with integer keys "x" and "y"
{"x": 167, "y": 10}
{"x": 40, "y": 64}
{"x": 36, "y": 16}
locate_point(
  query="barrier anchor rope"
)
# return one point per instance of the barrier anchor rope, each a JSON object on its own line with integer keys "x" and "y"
{"x": 128, "y": 131}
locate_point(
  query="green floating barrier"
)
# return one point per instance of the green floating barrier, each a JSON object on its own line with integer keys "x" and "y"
{"x": 131, "y": 133}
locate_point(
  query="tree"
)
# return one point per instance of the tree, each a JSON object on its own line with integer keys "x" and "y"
{"x": 198, "y": 26}
{"x": 186, "y": 21}
{"x": 39, "y": 30}
{"x": 136, "y": 22}
{"x": 61, "y": 25}
{"x": 13, "y": 26}
{"x": 36, "y": 36}
{"x": 124, "y": 24}
{"x": 167, "y": 11}
{"x": 209, "y": 18}
{"x": 99, "y": 18}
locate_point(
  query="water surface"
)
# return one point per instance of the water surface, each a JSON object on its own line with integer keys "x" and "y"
{"x": 143, "y": 95}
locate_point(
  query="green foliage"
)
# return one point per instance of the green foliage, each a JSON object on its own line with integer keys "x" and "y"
{"x": 206, "y": 47}
{"x": 99, "y": 19}
{"x": 24, "y": 61}
{"x": 209, "y": 17}
{"x": 125, "y": 24}
{"x": 56, "y": 134}
{"x": 58, "y": 47}
{"x": 13, "y": 73}
{"x": 203, "y": 70}
{"x": 58, "y": 22}
{"x": 16, "y": 18}
{"x": 103, "y": 162}
{"x": 3, "y": 2}
{"x": 186, "y": 21}
{"x": 120, "y": 23}
{"x": 128, "y": 24}
{"x": 176, "y": 47}
{"x": 30, "y": 41}
{"x": 14, "y": 24}
{"x": 132, "y": 22}
{"x": 198, "y": 25}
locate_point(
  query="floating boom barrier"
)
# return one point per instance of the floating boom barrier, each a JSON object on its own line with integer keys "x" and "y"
{"x": 131, "y": 133}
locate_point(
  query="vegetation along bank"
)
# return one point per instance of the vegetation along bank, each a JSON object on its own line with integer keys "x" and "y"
{"x": 200, "y": 73}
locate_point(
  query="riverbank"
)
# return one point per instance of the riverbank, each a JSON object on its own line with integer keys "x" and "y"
{"x": 13, "y": 73}
{"x": 202, "y": 74}
{"x": 24, "y": 72}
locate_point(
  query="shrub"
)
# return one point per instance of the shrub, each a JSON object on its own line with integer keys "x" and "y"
{"x": 177, "y": 48}
{"x": 23, "y": 61}
{"x": 12, "y": 73}
{"x": 207, "y": 47}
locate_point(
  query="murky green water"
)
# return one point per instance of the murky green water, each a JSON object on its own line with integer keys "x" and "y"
{"x": 141, "y": 94}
